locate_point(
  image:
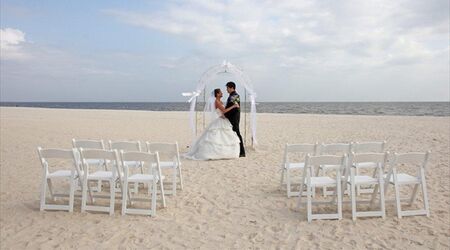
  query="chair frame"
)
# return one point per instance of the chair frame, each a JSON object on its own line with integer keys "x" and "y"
{"x": 309, "y": 183}
{"x": 287, "y": 165}
{"x": 421, "y": 161}
{"x": 98, "y": 154}
{"x": 128, "y": 146}
{"x": 367, "y": 147}
{"x": 175, "y": 164}
{"x": 354, "y": 180}
{"x": 92, "y": 144}
{"x": 153, "y": 178}
{"x": 331, "y": 149}
{"x": 47, "y": 176}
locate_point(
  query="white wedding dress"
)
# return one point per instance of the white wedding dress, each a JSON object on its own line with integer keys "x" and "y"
{"x": 218, "y": 141}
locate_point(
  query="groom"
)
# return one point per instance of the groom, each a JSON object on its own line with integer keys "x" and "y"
{"x": 234, "y": 115}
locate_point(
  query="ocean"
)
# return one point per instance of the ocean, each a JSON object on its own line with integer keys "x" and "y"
{"x": 340, "y": 108}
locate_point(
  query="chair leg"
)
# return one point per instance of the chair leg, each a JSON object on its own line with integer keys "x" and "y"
{"x": 174, "y": 182}
{"x": 136, "y": 187}
{"x": 324, "y": 188}
{"x": 414, "y": 194}
{"x": 112, "y": 187}
{"x": 374, "y": 193}
{"x": 309, "y": 208}
{"x": 99, "y": 186}
{"x": 125, "y": 197}
{"x": 163, "y": 197}
{"x": 181, "y": 177}
{"x": 288, "y": 183}
{"x": 358, "y": 187}
{"x": 397, "y": 201}
{"x": 43, "y": 193}
{"x": 73, "y": 182}
{"x": 153, "y": 197}
{"x": 50, "y": 189}
{"x": 425, "y": 197}
{"x": 83, "y": 195}
{"x": 353, "y": 197}
{"x": 91, "y": 195}
{"x": 382, "y": 201}
{"x": 339, "y": 196}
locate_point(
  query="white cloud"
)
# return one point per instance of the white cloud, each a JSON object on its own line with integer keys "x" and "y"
{"x": 363, "y": 33}
{"x": 11, "y": 44}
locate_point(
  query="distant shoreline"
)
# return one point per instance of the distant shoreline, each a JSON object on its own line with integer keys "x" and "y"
{"x": 440, "y": 109}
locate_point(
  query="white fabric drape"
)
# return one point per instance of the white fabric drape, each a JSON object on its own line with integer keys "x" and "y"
{"x": 242, "y": 79}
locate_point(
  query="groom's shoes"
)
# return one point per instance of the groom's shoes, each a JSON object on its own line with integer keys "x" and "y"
{"x": 242, "y": 155}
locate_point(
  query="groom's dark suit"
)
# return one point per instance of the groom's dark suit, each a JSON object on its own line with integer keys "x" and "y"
{"x": 234, "y": 116}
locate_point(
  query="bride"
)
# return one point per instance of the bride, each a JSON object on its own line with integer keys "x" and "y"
{"x": 218, "y": 140}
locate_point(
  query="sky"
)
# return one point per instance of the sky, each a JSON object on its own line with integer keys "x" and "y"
{"x": 293, "y": 51}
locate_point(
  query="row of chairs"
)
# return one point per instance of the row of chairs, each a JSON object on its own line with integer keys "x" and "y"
{"x": 88, "y": 161}
{"x": 294, "y": 155}
{"x": 346, "y": 161}
{"x": 169, "y": 152}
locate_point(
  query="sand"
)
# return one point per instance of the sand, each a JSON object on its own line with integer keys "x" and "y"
{"x": 227, "y": 204}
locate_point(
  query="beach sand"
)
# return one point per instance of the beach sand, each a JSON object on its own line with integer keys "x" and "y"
{"x": 227, "y": 204}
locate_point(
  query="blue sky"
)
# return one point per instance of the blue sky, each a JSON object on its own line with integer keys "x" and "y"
{"x": 292, "y": 50}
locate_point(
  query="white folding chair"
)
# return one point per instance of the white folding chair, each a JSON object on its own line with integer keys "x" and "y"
{"x": 129, "y": 146}
{"x": 92, "y": 144}
{"x": 310, "y": 182}
{"x": 169, "y": 159}
{"x": 294, "y": 159}
{"x": 367, "y": 147}
{"x": 338, "y": 149}
{"x": 112, "y": 176}
{"x": 69, "y": 171}
{"x": 415, "y": 162}
{"x": 377, "y": 162}
{"x": 152, "y": 177}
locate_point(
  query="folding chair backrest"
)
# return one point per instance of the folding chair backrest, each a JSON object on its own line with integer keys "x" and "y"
{"x": 59, "y": 154}
{"x": 98, "y": 154}
{"x": 139, "y": 156}
{"x": 55, "y": 153}
{"x": 331, "y": 160}
{"x": 368, "y": 147}
{"x": 146, "y": 158}
{"x": 165, "y": 150}
{"x": 418, "y": 159}
{"x": 410, "y": 163}
{"x": 88, "y": 144}
{"x": 380, "y": 158}
{"x": 126, "y": 146}
{"x": 337, "y": 163}
{"x": 335, "y": 149}
{"x": 298, "y": 152}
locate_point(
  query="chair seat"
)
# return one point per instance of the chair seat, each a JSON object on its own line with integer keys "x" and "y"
{"x": 365, "y": 164}
{"x": 165, "y": 164}
{"x": 132, "y": 163}
{"x": 328, "y": 166}
{"x": 100, "y": 175}
{"x": 295, "y": 165}
{"x": 404, "y": 179}
{"x": 143, "y": 178}
{"x": 361, "y": 179}
{"x": 322, "y": 181}
{"x": 61, "y": 174}
{"x": 95, "y": 161}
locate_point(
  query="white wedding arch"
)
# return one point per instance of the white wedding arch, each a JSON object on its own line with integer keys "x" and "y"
{"x": 243, "y": 80}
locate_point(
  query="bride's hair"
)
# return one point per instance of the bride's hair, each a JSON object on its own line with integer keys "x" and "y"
{"x": 216, "y": 91}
